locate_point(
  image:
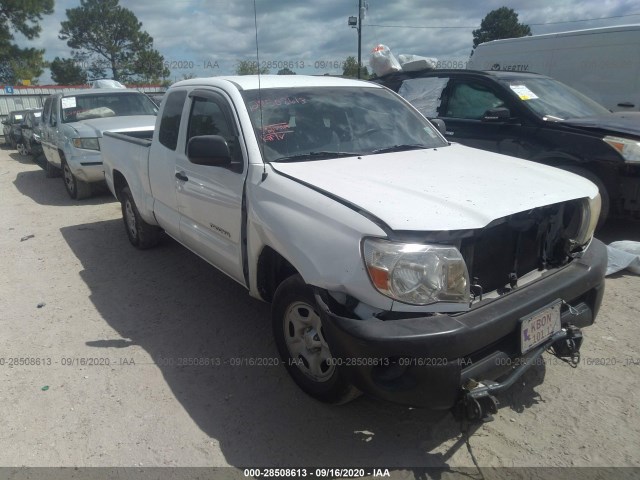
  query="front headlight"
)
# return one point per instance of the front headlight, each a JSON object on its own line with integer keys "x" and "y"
{"x": 589, "y": 215}
{"x": 415, "y": 273}
{"x": 629, "y": 149}
{"x": 86, "y": 143}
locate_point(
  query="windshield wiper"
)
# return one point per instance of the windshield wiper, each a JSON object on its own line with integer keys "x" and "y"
{"x": 316, "y": 156}
{"x": 400, "y": 148}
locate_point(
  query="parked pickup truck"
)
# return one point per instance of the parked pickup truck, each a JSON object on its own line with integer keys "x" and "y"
{"x": 396, "y": 263}
{"x": 72, "y": 123}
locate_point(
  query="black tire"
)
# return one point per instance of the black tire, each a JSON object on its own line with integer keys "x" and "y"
{"x": 50, "y": 170}
{"x": 141, "y": 234}
{"x": 604, "y": 194}
{"x": 77, "y": 189}
{"x": 294, "y": 300}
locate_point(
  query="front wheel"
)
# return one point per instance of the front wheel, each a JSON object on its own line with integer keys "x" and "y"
{"x": 141, "y": 234}
{"x": 300, "y": 339}
{"x": 77, "y": 189}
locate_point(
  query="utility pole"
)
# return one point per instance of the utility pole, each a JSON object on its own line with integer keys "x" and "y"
{"x": 359, "y": 37}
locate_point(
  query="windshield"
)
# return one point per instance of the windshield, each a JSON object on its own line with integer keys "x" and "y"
{"x": 554, "y": 101}
{"x": 329, "y": 122}
{"x": 84, "y": 107}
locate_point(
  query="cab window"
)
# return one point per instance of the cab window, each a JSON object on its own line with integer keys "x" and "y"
{"x": 471, "y": 101}
{"x": 208, "y": 117}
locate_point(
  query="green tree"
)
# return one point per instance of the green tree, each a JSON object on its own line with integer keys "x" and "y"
{"x": 498, "y": 24}
{"x": 65, "y": 71}
{"x": 250, "y": 67}
{"x": 286, "y": 71}
{"x": 108, "y": 36}
{"x": 24, "y": 17}
{"x": 350, "y": 69}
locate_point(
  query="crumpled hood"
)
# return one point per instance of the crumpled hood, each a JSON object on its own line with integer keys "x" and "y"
{"x": 449, "y": 188}
{"x": 96, "y": 126}
{"x": 613, "y": 124}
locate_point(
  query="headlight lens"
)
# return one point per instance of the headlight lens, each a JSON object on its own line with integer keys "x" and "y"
{"x": 86, "y": 143}
{"x": 629, "y": 149}
{"x": 416, "y": 274}
{"x": 589, "y": 219}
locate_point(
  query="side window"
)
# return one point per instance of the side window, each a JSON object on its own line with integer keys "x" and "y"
{"x": 46, "y": 111}
{"x": 53, "y": 119}
{"x": 171, "y": 116}
{"x": 424, "y": 93}
{"x": 471, "y": 101}
{"x": 207, "y": 117}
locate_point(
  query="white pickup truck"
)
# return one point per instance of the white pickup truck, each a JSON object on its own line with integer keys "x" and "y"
{"x": 397, "y": 264}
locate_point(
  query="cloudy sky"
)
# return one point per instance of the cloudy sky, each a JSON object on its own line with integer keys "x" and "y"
{"x": 209, "y": 37}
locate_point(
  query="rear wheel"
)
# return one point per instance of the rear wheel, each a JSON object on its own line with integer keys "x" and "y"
{"x": 77, "y": 189}
{"x": 141, "y": 234}
{"x": 300, "y": 339}
{"x": 604, "y": 194}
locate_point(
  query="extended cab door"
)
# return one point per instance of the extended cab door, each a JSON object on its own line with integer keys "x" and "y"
{"x": 209, "y": 197}
{"x": 162, "y": 162}
{"x": 50, "y": 130}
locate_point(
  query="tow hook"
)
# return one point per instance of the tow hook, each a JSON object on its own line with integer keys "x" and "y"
{"x": 568, "y": 348}
{"x": 476, "y": 408}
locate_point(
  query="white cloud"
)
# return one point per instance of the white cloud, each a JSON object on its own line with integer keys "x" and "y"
{"x": 190, "y": 33}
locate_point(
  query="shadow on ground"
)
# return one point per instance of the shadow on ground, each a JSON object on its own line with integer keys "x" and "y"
{"x": 176, "y": 306}
{"x": 51, "y": 191}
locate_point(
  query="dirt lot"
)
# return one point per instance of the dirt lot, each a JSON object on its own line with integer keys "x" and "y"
{"x": 102, "y": 326}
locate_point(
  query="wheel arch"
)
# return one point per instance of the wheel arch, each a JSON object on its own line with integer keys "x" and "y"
{"x": 272, "y": 269}
{"x": 119, "y": 182}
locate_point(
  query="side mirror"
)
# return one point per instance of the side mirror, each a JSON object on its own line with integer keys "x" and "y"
{"x": 496, "y": 115}
{"x": 209, "y": 150}
{"x": 440, "y": 125}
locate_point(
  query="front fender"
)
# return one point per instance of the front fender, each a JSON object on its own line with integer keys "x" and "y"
{"x": 320, "y": 237}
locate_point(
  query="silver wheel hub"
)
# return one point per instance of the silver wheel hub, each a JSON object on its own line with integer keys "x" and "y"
{"x": 68, "y": 177}
{"x": 306, "y": 343}
{"x": 130, "y": 218}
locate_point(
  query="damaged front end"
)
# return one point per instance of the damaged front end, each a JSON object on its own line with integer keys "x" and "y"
{"x": 457, "y": 351}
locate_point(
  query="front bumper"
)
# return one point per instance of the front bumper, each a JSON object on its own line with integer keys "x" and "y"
{"x": 426, "y": 361}
{"x": 87, "y": 167}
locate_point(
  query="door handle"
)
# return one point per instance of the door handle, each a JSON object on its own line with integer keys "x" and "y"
{"x": 182, "y": 176}
{"x": 626, "y": 104}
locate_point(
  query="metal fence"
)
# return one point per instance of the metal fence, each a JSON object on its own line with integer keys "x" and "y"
{"x": 23, "y": 98}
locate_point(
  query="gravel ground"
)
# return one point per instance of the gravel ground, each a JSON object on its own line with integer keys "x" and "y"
{"x": 93, "y": 331}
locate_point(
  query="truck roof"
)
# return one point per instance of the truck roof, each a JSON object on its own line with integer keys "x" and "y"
{"x": 97, "y": 91}
{"x": 250, "y": 82}
{"x": 393, "y": 80}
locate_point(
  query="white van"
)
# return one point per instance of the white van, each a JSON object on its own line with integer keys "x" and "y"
{"x": 602, "y": 63}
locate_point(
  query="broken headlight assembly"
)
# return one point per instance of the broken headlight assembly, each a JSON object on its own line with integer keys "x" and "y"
{"x": 629, "y": 149}
{"x": 416, "y": 274}
{"x": 587, "y": 220}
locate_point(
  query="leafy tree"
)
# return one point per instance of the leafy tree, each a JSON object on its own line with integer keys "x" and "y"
{"x": 286, "y": 71}
{"x": 250, "y": 67}
{"x": 108, "y": 36}
{"x": 499, "y": 24}
{"x": 350, "y": 69}
{"x": 21, "y": 16}
{"x": 65, "y": 71}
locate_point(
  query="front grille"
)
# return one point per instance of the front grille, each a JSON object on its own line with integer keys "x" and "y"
{"x": 516, "y": 245}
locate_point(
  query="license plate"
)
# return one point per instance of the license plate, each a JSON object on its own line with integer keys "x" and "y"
{"x": 540, "y": 326}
